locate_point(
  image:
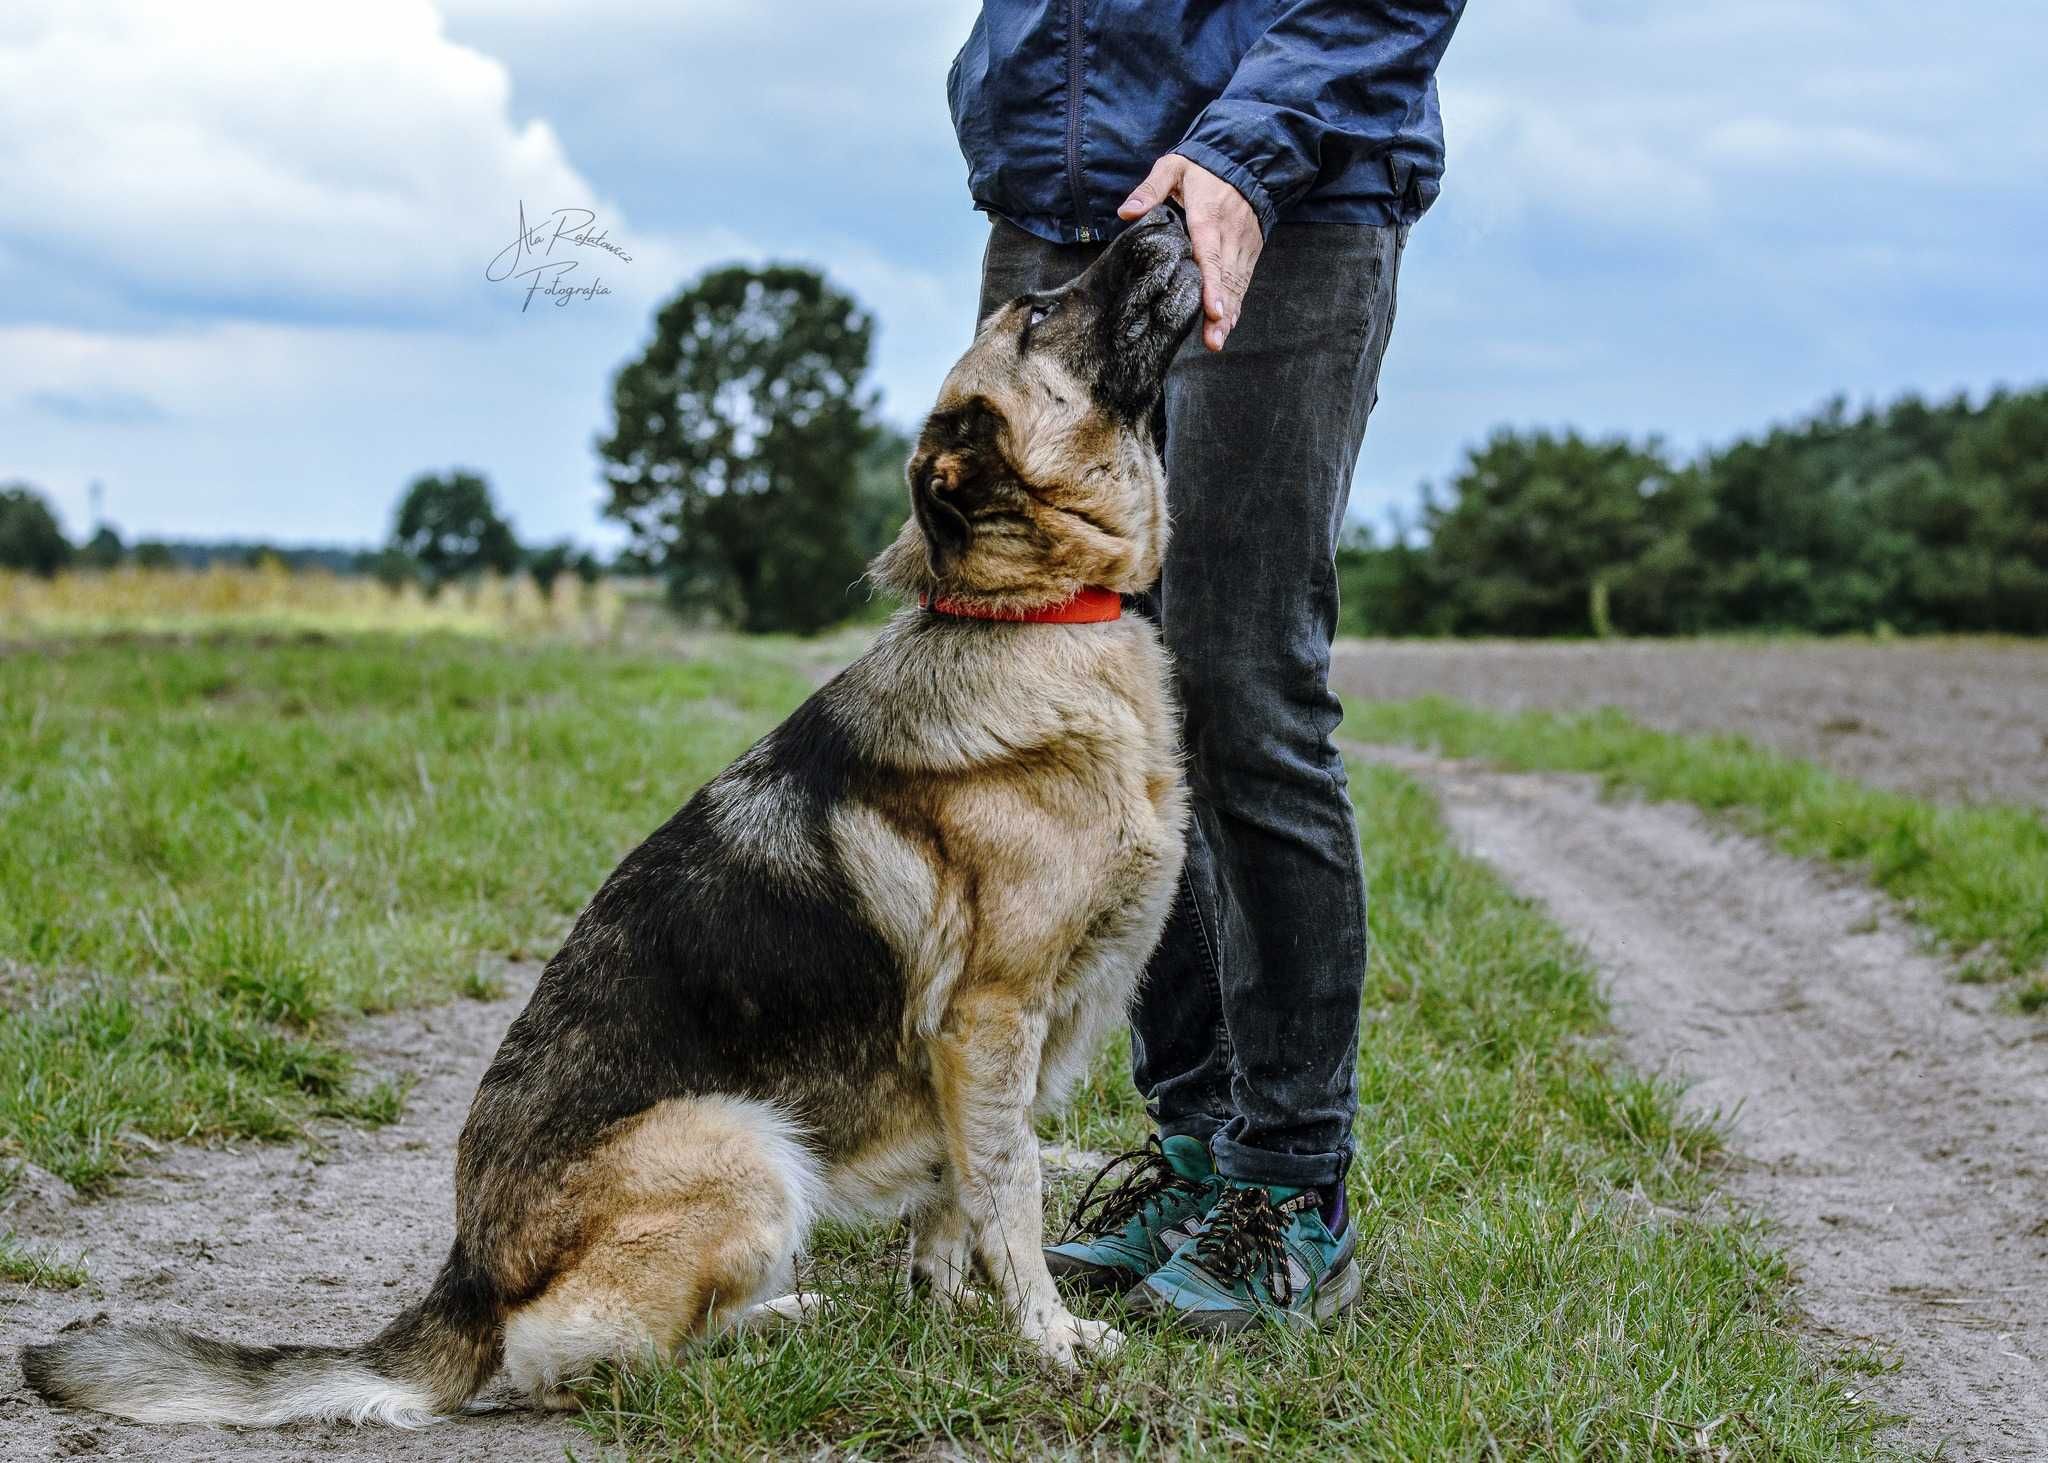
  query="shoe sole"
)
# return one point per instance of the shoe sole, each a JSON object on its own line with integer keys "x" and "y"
{"x": 1336, "y": 1295}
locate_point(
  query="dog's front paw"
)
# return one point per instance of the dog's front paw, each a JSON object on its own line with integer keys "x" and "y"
{"x": 1066, "y": 1340}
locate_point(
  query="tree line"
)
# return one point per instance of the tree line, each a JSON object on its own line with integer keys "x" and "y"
{"x": 746, "y": 460}
{"x": 1916, "y": 517}
{"x": 446, "y": 527}
{"x": 754, "y": 476}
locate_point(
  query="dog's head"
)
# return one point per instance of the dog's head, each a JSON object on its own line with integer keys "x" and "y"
{"x": 1037, "y": 472}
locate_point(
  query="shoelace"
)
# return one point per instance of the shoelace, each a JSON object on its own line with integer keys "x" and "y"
{"x": 1111, "y": 1209}
{"x": 1243, "y": 1238}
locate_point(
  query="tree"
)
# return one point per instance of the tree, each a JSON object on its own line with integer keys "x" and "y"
{"x": 154, "y": 554}
{"x": 29, "y": 536}
{"x": 1541, "y": 530}
{"x": 448, "y": 525}
{"x": 2006, "y": 448}
{"x": 103, "y": 550}
{"x": 736, "y": 449}
{"x": 550, "y": 563}
{"x": 881, "y": 495}
{"x": 1387, "y": 590}
{"x": 1921, "y": 516}
{"x": 391, "y": 567}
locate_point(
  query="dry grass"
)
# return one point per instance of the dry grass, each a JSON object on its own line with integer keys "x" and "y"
{"x": 268, "y": 597}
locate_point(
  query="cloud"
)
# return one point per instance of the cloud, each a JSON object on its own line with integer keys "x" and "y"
{"x": 256, "y": 160}
{"x": 818, "y": 132}
{"x": 97, "y": 405}
{"x": 289, "y": 431}
{"x": 269, "y": 223}
{"x": 262, "y": 232}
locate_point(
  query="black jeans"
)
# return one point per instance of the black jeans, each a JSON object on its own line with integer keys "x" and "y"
{"x": 1245, "y": 1033}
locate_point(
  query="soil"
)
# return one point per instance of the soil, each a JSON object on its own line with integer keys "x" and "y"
{"x": 1950, "y": 720}
{"x": 1892, "y": 1122}
{"x": 266, "y": 1243}
{"x": 269, "y": 1243}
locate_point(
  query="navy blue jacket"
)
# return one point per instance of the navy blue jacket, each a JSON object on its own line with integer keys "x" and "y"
{"x": 1317, "y": 110}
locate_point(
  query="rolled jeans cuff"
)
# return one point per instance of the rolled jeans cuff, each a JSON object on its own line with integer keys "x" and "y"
{"x": 1263, "y": 1166}
{"x": 1200, "y": 1126}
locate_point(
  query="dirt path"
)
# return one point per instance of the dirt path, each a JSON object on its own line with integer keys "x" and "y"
{"x": 274, "y": 1244}
{"x": 1892, "y": 1121}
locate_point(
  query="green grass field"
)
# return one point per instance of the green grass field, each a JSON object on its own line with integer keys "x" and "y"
{"x": 1976, "y": 878}
{"x": 1549, "y": 1276}
{"x": 212, "y": 854}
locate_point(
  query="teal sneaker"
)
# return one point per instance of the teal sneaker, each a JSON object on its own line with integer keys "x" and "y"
{"x": 1260, "y": 1254}
{"x": 1118, "y": 1236}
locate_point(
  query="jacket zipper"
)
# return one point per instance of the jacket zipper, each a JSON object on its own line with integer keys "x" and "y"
{"x": 1074, "y": 40}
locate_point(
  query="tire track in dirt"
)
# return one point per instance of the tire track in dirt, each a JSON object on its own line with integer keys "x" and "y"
{"x": 1893, "y": 1122}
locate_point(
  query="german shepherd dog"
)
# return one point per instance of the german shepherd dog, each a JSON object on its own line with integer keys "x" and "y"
{"x": 842, "y": 980}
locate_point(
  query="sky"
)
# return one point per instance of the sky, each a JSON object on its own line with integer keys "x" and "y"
{"x": 245, "y": 251}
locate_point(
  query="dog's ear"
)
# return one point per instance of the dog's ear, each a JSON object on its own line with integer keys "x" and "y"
{"x": 953, "y": 477}
{"x": 938, "y": 484}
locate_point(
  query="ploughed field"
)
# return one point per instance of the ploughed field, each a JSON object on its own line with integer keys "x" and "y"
{"x": 1950, "y": 720}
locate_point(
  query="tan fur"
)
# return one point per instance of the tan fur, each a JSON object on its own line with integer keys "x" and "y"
{"x": 1003, "y": 803}
{"x": 1018, "y": 857}
{"x": 692, "y": 1214}
{"x": 1092, "y": 494}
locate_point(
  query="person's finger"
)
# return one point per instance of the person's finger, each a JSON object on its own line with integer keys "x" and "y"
{"x": 1237, "y": 278}
{"x": 1160, "y": 184}
{"x": 1233, "y": 271}
{"x": 1206, "y": 241}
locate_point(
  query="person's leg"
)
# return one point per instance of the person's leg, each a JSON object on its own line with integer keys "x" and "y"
{"x": 1124, "y": 1229}
{"x": 1180, "y": 1046}
{"x": 1261, "y": 441}
{"x": 1180, "y": 1055}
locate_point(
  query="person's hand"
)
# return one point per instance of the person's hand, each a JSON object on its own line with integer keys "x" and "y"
{"x": 1221, "y": 226}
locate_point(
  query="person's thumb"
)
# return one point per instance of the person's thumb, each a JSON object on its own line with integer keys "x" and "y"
{"x": 1159, "y": 185}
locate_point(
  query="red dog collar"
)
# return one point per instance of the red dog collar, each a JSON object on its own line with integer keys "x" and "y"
{"x": 1090, "y": 606}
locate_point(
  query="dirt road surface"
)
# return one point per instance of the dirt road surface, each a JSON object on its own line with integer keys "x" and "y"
{"x": 1894, "y": 1123}
{"x": 1951, "y": 720}
{"x": 274, "y": 1243}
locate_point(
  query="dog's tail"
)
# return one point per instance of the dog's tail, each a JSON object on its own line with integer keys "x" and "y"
{"x": 429, "y": 1361}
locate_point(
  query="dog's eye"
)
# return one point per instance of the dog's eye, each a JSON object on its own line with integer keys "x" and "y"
{"x": 1038, "y": 313}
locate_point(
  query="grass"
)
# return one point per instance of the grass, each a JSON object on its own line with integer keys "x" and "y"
{"x": 25, "y": 1265}
{"x": 267, "y": 597}
{"x": 1976, "y": 877}
{"x": 213, "y": 852}
{"x": 1547, "y": 1273}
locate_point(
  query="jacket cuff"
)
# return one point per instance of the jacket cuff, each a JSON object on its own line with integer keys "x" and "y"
{"x": 1238, "y": 176}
